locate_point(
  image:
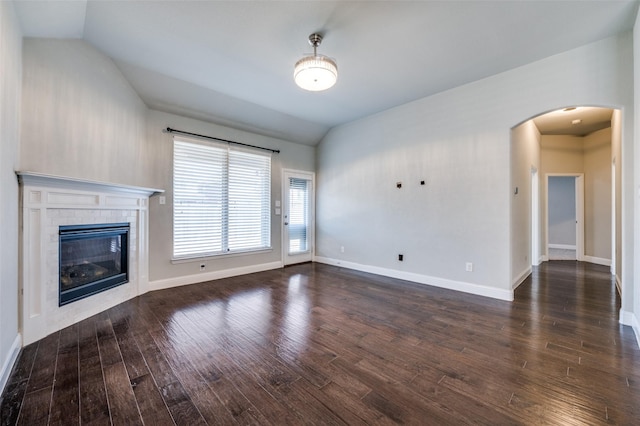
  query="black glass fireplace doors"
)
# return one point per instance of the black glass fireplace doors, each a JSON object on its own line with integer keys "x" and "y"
{"x": 93, "y": 258}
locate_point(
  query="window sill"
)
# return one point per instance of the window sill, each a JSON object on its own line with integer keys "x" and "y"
{"x": 200, "y": 258}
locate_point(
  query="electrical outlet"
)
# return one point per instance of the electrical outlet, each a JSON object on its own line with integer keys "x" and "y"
{"x": 162, "y": 200}
{"x": 401, "y": 257}
{"x": 341, "y": 249}
{"x": 469, "y": 267}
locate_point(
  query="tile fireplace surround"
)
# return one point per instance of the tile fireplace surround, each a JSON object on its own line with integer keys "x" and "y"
{"x": 48, "y": 202}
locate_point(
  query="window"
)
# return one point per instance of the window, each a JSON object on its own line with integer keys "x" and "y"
{"x": 221, "y": 199}
{"x": 298, "y": 215}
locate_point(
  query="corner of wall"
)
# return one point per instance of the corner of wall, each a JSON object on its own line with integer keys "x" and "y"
{"x": 521, "y": 278}
{"x": 10, "y": 110}
{"x": 630, "y": 319}
{"x": 12, "y": 357}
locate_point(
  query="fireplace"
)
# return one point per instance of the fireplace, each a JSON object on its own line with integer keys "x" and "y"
{"x": 51, "y": 204}
{"x": 93, "y": 258}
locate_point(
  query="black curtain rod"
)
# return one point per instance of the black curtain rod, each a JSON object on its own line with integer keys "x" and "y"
{"x": 170, "y": 130}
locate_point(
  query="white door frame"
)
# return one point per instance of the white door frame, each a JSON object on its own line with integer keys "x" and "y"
{"x": 579, "y": 213}
{"x": 613, "y": 217}
{"x": 288, "y": 259}
{"x": 535, "y": 218}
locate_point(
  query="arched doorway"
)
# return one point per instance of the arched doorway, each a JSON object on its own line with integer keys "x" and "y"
{"x": 567, "y": 141}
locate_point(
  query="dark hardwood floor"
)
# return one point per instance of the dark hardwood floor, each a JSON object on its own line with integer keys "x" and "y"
{"x": 315, "y": 344}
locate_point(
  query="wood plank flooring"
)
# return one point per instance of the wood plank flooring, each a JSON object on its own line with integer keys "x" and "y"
{"x": 316, "y": 344}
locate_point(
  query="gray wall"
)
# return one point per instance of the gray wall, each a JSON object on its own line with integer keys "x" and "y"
{"x": 81, "y": 118}
{"x": 459, "y": 142}
{"x": 562, "y": 210}
{"x": 10, "y": 95}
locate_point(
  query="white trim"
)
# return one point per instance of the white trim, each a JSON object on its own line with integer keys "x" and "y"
{"x": 562, "y": 246}
{"x": 14, "y": 351}
{"x": 64, "y": 182}
{"x": 544, "y": 258}
{"x": 213, "y": 275}
{"x": 520, "y": 279}
{"x": 200, "y": 258}
{"x": 597, "y": 260}
{"x": 535, "y": 216}
{"x": 477, "y": 289}
{"x": 619, "y": 285}
{"x": 579, "y": 198}
{"x": 284, "y": 234}
{"x": 612, "y": 263}
{"x": 630, "y": 319}
{"x": 580, "y": 217}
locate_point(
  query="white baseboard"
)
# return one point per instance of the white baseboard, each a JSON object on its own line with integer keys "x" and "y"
{"x": 590, "y": 259}
{"x": 14, "y": 351}
{"x": 520, "y": 279}
{"x": 629, "y": 318}
{"x": 562, "y": 246}
{"x": 480, "y": 290}
{"x": 597, "y": 260}
{"x": 213, "y": 275}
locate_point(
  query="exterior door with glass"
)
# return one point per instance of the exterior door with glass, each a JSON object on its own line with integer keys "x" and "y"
{"x": 298, "y": 216}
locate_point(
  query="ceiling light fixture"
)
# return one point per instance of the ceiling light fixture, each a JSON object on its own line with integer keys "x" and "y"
{"x": 315, "y": 72}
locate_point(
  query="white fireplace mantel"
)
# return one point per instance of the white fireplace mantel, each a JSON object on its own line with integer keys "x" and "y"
{"x": 63, "y": 182}
{"x": 48, "y": 202}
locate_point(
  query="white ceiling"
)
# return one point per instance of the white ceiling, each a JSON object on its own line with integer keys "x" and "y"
{"x": 231, "y": 62}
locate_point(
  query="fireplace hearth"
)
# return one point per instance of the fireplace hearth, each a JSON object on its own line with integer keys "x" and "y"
{"x": 93, "y": 258}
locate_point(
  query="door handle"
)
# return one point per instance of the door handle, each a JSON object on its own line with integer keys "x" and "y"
{"x": 286, "y": 223}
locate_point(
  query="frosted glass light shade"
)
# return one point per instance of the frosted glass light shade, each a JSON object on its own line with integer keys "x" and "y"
{"x": 315, "y": 73}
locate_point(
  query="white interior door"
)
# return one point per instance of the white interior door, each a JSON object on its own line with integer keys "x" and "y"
{"x": 298, "y": 216}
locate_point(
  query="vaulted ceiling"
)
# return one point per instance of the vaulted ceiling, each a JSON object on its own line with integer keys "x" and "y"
{"x": 231, "y": 62}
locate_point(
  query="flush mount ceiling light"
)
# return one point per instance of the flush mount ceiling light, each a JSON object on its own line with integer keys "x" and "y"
{"x": 315, "y": 72}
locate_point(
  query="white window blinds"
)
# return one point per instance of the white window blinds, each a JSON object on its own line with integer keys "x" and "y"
{"x": 298, "y": 215}
{"x": 221, "y": 199}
